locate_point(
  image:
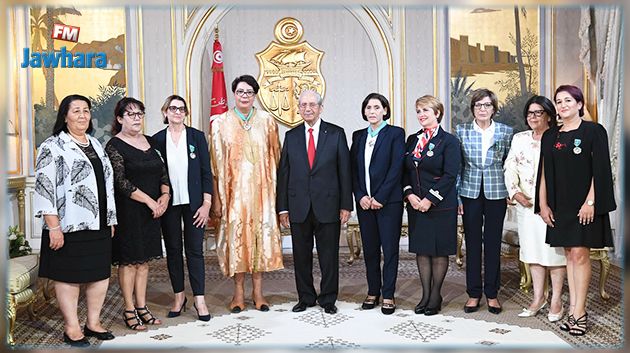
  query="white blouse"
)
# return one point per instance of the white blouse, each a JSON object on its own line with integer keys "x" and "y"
{"x": 367, "y": 158}
{"x": 177, "y": 159}
{"x": 487, "y": 138}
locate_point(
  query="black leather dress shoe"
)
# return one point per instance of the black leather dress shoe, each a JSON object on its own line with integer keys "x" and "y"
{"x": 433, "y": 307}
{"x": 494, "y": 309}
{"x": 82, "y": 342}
{"x": 432, "y": 311}
{"x": 472, "y": 309}
{"x": 370, "y": 303}
{"x": 301, "y": 306}
{"x": 330, "y": 309}
{"x": 388, "y": 308}
{"x": 419, "y": 309}
{"x": 103, "y": 336}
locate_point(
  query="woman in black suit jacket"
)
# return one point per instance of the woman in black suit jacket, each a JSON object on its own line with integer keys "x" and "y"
{"x": 432, "y": 163}
{"x": 376, "y": 159}
{"x": 185, "y": 153}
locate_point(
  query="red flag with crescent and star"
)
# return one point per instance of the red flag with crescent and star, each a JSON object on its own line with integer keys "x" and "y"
{"x": 218, "y": 104}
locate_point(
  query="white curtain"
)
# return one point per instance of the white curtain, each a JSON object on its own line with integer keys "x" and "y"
{"x": 601, "y": 53}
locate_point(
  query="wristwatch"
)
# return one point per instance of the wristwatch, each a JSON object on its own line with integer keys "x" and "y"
{"x": 590, "y": 202}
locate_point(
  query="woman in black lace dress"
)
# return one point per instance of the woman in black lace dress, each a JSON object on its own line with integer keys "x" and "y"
{"x": 142, "y": 194}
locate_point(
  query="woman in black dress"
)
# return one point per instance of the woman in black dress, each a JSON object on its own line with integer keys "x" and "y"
{"x": 432, "y": 162}
{"x": 74, "y": 195}
{"x": 575, "y": 195}
{"x": 142, "y": 193}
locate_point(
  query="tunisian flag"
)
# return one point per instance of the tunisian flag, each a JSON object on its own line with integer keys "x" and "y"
{"x": 218, "y": 104}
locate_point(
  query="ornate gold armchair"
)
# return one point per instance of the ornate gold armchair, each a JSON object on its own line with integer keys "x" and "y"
{"x": 21, "y": 288}
{"x": 22, "y": 271}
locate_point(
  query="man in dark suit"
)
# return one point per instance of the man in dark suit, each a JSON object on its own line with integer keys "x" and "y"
{"x": 314, "y": 198}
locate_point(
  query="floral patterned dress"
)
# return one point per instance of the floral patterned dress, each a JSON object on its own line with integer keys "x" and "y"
{"x": 521, "y": 167}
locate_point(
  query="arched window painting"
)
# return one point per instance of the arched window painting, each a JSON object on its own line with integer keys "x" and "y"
{"x": 101, "y": 31}
{"x": 495, "y": 48}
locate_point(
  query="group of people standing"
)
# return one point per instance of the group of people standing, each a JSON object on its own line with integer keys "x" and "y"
{"x": 104, "y": 206}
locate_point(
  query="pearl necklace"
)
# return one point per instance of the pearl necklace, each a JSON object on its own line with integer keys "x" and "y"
{"x": 81, "y": 144}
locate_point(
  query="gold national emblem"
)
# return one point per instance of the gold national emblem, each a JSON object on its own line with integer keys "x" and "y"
{"x": 286, "y": 69}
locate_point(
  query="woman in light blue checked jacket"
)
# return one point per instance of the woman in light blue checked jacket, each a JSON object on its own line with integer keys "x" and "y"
{"x": 482, "y": 192}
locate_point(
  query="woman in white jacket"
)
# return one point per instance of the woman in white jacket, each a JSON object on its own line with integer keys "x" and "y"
{"x": 74, "y": 193}
{"x": 521, "y": 167}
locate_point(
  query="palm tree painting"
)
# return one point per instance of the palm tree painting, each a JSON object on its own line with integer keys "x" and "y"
{"x": 104, "y": 87}
{"x": 42, "y": 23}
{"x": 495, "y": 48}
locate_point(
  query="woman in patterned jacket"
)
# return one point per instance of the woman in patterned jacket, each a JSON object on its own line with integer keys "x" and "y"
{"x": 521, "y": 169}
{"x": 482, "y": 193}
{"x": 74, "y": 193}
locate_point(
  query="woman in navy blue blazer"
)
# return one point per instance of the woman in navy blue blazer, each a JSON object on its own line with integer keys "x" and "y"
{"x": 432, "y": 162}
{"x": 377, "y": 156}
{"x": 185, "y": 153}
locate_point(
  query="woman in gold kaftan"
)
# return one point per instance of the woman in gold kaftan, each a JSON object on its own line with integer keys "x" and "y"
{"x": 245, "y": 150}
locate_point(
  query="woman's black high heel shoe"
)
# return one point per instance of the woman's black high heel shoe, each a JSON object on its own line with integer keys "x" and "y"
{"x": 472, "y": 309}
{"x": 370, "y": 303}
{"x": 579, "y": 327}
{"x": 420, "y": 308}
{"x": 388, "y": 308}
{"x": 177, "y": 313}
{"x": 143, "y": 312}
{"x": 137, "y": 325}
{"x": 567, "y": 325}
{"x": 494, "y": 309}
{"x": 202, "y": 317}
{"x": 428, "y": 311}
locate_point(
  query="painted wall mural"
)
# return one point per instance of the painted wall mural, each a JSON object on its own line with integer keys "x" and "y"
{"x": 495, "y": 48}
{"x": 76, "y": 50}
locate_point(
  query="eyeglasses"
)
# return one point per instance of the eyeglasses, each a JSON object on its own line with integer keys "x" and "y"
{"x": 244, "y": 94}
{"x": 174, "y": 109}
{"x": 486, "y": 106}
{"x": 309, "y": 105}
{"x": 132, "y": 115}
{"x": 537, "y": 113}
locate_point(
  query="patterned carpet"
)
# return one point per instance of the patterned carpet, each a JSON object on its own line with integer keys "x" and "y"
{"x": 605, "y": 317}
{"x": 350, "y": 328}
